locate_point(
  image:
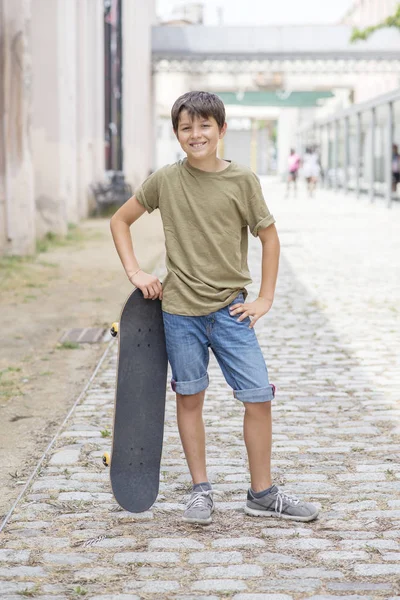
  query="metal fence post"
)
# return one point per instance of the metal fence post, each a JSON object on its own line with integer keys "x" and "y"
{"x": 346, "y": 156}
{"x": 336, "y": 155}
{"x": 329, "y": 165}
{"x": 388, "y": 153}
{"x": 372, "y": 164}
{"x": 358, "y": 153}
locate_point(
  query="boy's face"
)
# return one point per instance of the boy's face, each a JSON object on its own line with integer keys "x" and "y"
{"x": 199, "y": 137}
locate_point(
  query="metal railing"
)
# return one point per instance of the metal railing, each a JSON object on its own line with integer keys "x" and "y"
{"x": 355, "y": 146}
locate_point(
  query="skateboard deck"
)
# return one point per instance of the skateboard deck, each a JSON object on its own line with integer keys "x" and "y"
{"x": 139, "y": 404}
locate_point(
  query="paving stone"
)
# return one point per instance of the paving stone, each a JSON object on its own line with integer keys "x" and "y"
{"x": 40, "y": 542}
{"x": 312, "y": 572}
{"x": 327, "y": 597}
{"x": 70, "y": 559}
{"x": 278, "y": 559}
{"x": 374, "y": 570}
{"x": 342, "y": 555}
{"x": 146, "y": 557}
{"x": 244, "y": 542}
{"x": 262, "y": 597}
{"x": 236, "y": 571}
{"x": 291, "y": 585}
{"x": 219, "y": 585}
{"x": 167, "y": 572}
{"x": 215, "y": 558}
{"x": 84, "y": 496}
{"x": 97, "y": 573}
{"x": 154, "y": 587}
{"x": 278, "y": 533}
{"x": 358, "y": 586}
{"x": 23, "y": 571}
{"x": 114, "y": 597}
{"x": 379, "y": 544}
{"x": 197, "y": 597}
{"x": 68, "y": 456}
{"x": 175, "y": 543}
{"x": 14, "y": 556}
{"x": 10, "y": 587}
{"x": 304, "y": 544}
{"x": 391, "y": 556}
{"x": 116, "y": 543}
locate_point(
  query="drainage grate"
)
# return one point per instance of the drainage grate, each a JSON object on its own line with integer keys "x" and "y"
{"x": 89, "y": 335}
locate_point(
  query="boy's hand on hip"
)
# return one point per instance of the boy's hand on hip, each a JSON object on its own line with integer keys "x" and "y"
{"x": 254, "y": 310}
{"x": 149, "y": 285}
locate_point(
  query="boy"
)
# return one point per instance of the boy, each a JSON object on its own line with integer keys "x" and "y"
{"x": 206, "y": 205}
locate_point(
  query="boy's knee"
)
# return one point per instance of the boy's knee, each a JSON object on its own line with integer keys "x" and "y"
{"x": 191, "y": 401}
{"x": 257, "y": 408}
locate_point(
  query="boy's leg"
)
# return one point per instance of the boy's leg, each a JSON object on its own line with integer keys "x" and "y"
{"x": 200, "y": 506}
{"x": 239, "y": 354}
{"x": 188, "y": 354}
{"x": 257, "y": 429}
{"x": 192, "y": 434}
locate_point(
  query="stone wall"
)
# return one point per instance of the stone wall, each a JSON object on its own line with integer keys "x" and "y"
{"x": 17, "y": 234}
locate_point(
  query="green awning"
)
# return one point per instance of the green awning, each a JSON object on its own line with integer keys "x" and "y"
{"x": 270, "y": 98}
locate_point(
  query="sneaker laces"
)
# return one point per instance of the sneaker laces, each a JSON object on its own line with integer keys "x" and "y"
{"x": 197, "y": 498}
{"x": 282, "y": 496}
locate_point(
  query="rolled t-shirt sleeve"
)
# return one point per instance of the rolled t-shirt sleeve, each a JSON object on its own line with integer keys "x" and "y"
{"x": 148, "y": 193}
{"x": 258, "y": 215}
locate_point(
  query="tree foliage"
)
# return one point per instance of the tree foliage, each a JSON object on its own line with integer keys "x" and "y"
{"x": 363, "y": 34}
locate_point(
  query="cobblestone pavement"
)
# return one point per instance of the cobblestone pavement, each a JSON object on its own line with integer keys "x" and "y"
{"x": 332, "y": 346}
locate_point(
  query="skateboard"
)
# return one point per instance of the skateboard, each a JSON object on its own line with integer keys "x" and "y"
{"x": 139, "y": 404}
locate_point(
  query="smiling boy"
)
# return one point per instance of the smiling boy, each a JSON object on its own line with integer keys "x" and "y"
{"x": 207, "y": 206}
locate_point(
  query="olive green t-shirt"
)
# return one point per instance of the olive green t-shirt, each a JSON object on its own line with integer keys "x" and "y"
{"x": 205, "y": 217}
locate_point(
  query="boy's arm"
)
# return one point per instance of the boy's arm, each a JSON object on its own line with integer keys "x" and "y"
{"x": 119, "y": 225}
{"x": 270, "y": 262}
{"x": 269, "y": 273}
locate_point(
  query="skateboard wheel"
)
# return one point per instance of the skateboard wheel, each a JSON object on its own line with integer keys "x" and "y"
{"x": 106, "y": 459}
{"x": 114, "y": 329}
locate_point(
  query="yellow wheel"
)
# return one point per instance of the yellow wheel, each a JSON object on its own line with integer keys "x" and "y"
{"x": 114, "y": 329}
{"x": 106, "y": 459}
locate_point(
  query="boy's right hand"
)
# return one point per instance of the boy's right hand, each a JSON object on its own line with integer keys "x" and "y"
{"x": 149, "y": 285}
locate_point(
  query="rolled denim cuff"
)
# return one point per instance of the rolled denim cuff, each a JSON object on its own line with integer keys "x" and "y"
{"x": 256, "y": 395}
{"x": 187, "y": 388}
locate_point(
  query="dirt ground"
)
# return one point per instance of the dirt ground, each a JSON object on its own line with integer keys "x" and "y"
{"x": 78, "y": 282}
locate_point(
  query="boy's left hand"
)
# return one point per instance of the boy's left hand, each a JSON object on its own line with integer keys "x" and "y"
{"x": 254, "y": 310}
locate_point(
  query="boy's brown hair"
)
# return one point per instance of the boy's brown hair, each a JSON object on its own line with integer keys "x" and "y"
{"x": 199, "y": 104}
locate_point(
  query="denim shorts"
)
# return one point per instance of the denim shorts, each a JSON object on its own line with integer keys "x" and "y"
{"x": 234, "y": 345}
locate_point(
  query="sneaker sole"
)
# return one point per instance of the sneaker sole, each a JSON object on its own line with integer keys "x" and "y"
{"x": 197, "y": 521}
{"x": 266, "y": 513}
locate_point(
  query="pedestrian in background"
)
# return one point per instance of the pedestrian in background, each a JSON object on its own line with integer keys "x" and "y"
{"x": 395, "y": 167}
{"x": 294, "y": 162}
{"x": 311, "y": 169}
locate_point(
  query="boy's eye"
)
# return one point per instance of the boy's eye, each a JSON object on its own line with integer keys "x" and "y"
{"x": 206, "y": 125}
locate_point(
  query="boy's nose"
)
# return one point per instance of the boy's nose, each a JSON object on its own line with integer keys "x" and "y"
{"x": 196, "y": 133}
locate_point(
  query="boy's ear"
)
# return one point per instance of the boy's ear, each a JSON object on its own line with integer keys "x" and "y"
{"x": 222, "y": 131}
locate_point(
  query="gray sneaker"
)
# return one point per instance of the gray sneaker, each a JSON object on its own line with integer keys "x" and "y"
{"x": 281, "y": 505}
{"x": 199, "y": 508}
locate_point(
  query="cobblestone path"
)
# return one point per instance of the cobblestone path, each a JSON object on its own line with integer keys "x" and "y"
{"x": 332, "y": 347}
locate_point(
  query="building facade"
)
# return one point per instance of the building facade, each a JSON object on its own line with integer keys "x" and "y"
{"x": 52, "y": 111}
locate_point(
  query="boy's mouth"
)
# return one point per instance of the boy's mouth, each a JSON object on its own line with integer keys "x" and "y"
{"x": 197, "y": 144}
